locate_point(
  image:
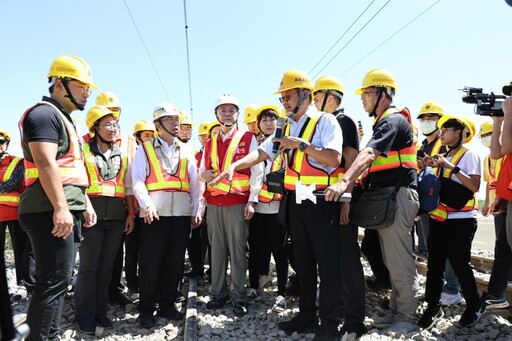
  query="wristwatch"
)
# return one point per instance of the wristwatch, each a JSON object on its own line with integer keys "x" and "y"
{"x": 455, "y": 170}
{"x": 303, "y": 146}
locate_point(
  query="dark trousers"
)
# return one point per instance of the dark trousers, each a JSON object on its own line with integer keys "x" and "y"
{"x": 451, "y": 240}
{"x": 162, "y": 253}
{"x": 315, "y": 233}
{"x": 197, "y": 247}
{"x": 131, "y": 257}
{"x": 267, "y": 236}
{"x": 370, "y": 247}
{"x": 352, "y": 275}
{"x": 502, "y": 266}
{"x": 54, "y": 265}
{"x": 97, "y": 253}
{"x": 24, "y": 262}
{"x": 115, "y": 285}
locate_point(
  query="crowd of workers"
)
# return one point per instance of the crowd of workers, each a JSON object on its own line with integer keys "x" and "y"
{"x": 144, "y": 200}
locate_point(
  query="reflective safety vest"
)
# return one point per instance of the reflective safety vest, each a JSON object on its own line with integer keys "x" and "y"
{"x": 100, "y": 187}
{"x": 71, "y": 165}
{"x": 159, "y": 179}
{"x": 7, "y": 167}
{"x": 265, "y": 195}
{"x": 492, "y": 168}
{"x": 240, "y": 182}
{"x": 440, "y": 213}
{"x": 298, "y": 166}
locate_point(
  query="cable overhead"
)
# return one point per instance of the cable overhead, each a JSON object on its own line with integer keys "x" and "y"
{"x": 341, "y": 37}
{"x": 147, "y": 52}
{"x": 188, "y": 61}
{"x": 389, "y": 38}
{"x": 355, "y": 35}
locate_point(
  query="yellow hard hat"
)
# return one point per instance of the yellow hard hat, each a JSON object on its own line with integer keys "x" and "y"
{"x": 468, "y": 131}
{"x": 185, "y": 118}
{"x": 211, "y": 126}
{"x": 96, "y": 113}
{"x": 165, "y": 109}
{"x": 266, "y": 107}
{"x": 72, "y": 67}
{"x": 485, "y": 128}
{"x": 431, "y": 108}
{"x": 143, "y": 125}
{"x": 108, "y": 99}
{"x": 6, "y": 135}
{"x": 294, "y": 79}
{"x": 203, "y": 128}
{"x": 377, "y": 78}
{"x": 282, "y": 114}
{"x": 250, "y": 113}
{"x": 328, "y": 83}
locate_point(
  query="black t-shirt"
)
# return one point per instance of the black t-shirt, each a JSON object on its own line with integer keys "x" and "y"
{"x": 349, "y": 130}
{"x": 427, "y": 147}
{"x": 392, "y": 133}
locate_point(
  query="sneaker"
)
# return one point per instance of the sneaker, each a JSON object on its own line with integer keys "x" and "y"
{"x": 430, "y": 316}
{"x": 493, "y": 301}
{"x": 471, "y": 317}
{"x": 264, "y": 281}
{"x": 449, "y": 299}
{"x": 280, "y": 304}
{"x": 239, "y": 309}
{"x": 171, "y": 314}
{"x": 217, "y": 302}
{"x": 354, "y": 328}
{"x": 385, "y": 321}
{"x": 180, "y": 298}
{"x": 299, "y": 324}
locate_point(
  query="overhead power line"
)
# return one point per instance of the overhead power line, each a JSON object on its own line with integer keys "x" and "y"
{"x": 355, "y": 35}
{"x": 188, "y": 61}
{"x": 388, "y": 39}
{"x": 147, "y": 51}
{"x": 341, "y": 37}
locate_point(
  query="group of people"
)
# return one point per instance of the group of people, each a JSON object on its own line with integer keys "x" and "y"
{"x": 149, "y": 197}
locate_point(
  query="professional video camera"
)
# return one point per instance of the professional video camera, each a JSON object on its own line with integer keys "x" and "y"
{"x": 486, "y": 104}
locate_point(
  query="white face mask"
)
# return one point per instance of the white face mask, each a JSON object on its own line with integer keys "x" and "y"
{"x": 428, "y": 127}
{"x": 486, "y": 141}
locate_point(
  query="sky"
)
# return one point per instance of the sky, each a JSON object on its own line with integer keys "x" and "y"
{"x": 244, "y": 47}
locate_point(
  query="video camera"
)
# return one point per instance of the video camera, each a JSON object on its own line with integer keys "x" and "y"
{"x": 486, "y": 104}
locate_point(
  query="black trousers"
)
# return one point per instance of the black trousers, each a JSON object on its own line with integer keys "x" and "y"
{"x": 131, "y": 257}
{"x": 370, "y": 247}
{"x": 162, "y": 253}
{"x": 24, "y": 261}
{"x": 115, "y": 285}
{"x": 502, "y": 265}
{"x": 197, "y": 247}
{"x": 315, "y": 233}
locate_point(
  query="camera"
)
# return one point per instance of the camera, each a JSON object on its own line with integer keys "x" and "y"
{"x": 486, "y": 104}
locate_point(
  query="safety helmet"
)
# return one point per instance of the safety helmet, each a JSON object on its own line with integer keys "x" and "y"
{"x": 227, "y": 99}
{"x": 485, "y": 128}
{"x": 282, "y": 113}
{"x": 431, "y": 108}
{"x": 108, "y": 99}
{"x": 212, "y": 125}
{"x": 6, "y": 135}
{"x": 185, "y": 118}
{"x": 294, "y": 79}
{"x": 468, "y": 130}
{"x": 96, "y": 113}
{"x": 328, "y": 83}
{"x": 250, "y": 113}
{"x": 266, "y": 107}
{"x": 165, "y": 109}
{"x": 203, "y": 128}
{"x": 143, "y": 125}
{"x": 72, "y": 67}
{"x": 377, "y": 78}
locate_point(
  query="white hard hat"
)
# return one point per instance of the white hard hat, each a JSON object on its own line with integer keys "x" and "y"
{"x": 227, "y": 99}
{"x": 165, "y": 109}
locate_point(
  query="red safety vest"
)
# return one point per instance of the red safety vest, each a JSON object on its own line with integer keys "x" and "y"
{"x": 265, "y": 195}
{"x": 71, "y": 165}
{"x": 159, "y": 179}
{"x": 7, "y": 167}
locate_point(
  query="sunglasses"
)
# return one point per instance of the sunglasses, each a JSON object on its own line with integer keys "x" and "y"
{"x": 2, "y": 141}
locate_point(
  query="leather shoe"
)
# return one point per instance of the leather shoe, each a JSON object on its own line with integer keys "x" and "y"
{"x": 147, "y": 321}
{"x": 171, "y": 314}
{"x": 299, "y": 324}
{"x": 217, "y": 302}
{"x": 180, "y": 298}
{"x": 119, "y": 299}
{"x": 357, "y": 328}
{"x": 239, "y": 309}
{"x": 104, "y": 322}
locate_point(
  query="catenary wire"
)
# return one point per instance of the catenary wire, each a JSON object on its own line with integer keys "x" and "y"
{"x": 188, "y": 61}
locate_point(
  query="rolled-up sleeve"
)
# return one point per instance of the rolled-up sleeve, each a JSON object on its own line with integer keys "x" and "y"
{"x": 139, "y": 174}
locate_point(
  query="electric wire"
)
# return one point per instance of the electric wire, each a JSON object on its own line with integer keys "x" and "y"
{"x": 355, "y": 35}
{"x": 147, "y": 51}
{"x": 389, "y": 38}
{"x": 341, "y": 37}
{"x": 188, "y": 61}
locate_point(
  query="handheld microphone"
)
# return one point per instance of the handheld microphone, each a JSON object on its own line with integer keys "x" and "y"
{"x": 278, "y": 134}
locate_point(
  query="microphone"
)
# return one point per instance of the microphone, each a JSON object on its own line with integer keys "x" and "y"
{"x": 278, "y": 134}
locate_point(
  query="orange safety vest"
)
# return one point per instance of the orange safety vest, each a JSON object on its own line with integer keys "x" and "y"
{"x": 265, "y": 195}
{"x": 159, "y": 179}
{"x": 71, "y": 165}
{"x": 100, "y": 187}
{"x": 492, "y": 168}
{"x": 240, "y": 182}
{"x": 298, "y": 166}
{"x": 7, "y": 167}
{"x": 440, "y": 213}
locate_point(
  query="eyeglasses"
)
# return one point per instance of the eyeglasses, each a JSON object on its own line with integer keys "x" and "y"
{"x": 85, "y": 88}
{"x": 110, "y": 125}
{"x": 170, "y": 119}
{"x": 366, "y": 93}
{"x": 2, "y": 141}
{"x": 230, "y": 111}
{"x": 286, "y": 98}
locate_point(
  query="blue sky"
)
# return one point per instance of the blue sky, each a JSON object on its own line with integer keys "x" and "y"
{"x": 243, "y": 48}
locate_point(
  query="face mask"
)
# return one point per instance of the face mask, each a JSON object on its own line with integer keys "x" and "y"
{"x": 428, "y": 127}
{"x": 486, "y": 141}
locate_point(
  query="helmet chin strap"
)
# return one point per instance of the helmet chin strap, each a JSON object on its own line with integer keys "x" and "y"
{"x": 70, "y": 96}
{"x": 167, "y": 131}
{"x": 297, "y": 107}
{"x": 456, "y": 144}
{"x": 324, "y": 102}
{"x": 98, "y": 136}
{"x": 373, "y": 113}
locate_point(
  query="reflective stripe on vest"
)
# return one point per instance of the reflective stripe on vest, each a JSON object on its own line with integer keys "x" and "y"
{"x": 71, "y": 165}
{"x": 298, "y": 167}
{"x": 240, "y": 182}
{"x": 12, "y": 198}
{"x": 159, "y": 179}
{"x": 99, "y": 186}
{"x": 265, "y": 195}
